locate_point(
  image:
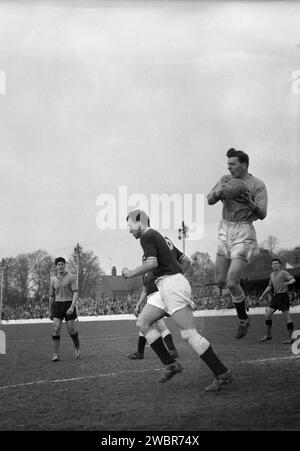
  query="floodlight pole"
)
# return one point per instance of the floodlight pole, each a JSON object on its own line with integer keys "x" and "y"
{"x": 77, "y": 250}
{"x": 183, "y": 235}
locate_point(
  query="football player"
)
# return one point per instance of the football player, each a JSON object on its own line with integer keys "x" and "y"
{"x": 62, "y": 305}
{"x": 280, "y": 280}
{"x": 175, "y": 292}
{"x": 236, "y": 236}
{"x": 151, "y": 294}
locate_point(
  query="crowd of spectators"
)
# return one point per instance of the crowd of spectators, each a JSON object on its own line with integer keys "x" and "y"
{"x": 28, "y": 310}
{"x": 107, "y": 306}
{"x": 126, "y": 304}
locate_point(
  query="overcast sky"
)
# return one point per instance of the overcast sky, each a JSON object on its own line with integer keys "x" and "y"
{"x": 145, "y": 95}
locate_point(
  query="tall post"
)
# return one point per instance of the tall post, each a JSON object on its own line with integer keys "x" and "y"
{"x": 77, "y": 250}
{"x": 183, "y": 235}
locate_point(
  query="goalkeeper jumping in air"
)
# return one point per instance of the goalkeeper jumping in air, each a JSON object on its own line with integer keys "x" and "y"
{"x": 245, "y": 200}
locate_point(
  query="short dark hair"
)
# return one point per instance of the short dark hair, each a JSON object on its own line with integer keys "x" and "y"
{"x": 139, "y": 216}
{"x": 59, "y": 259}
{"x": 242, "y": 156}
{"x": 276, "y": 260}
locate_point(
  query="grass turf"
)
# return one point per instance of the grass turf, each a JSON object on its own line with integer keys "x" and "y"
{"x": 105, "y": 391}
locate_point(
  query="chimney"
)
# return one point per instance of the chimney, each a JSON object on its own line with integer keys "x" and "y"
{"x": 113, "y": 271}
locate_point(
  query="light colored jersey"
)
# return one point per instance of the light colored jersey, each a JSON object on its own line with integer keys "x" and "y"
{"x": 277, "y": 281}
{"x": 234, "y": 211}
{"x": 63, "y": 288}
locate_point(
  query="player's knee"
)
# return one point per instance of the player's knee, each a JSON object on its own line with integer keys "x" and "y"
{"x": 142, "y": 324}
{"x": 162, "y": 327}
{"x": 56, "y": 330}
{"x": 187, "y": 334}
{"x": 268, "y": 316}
{"x": 195, "y": 340}
{"x": 231, "y": 283}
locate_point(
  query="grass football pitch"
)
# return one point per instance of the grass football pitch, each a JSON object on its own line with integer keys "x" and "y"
{"x": 105, "y": 391}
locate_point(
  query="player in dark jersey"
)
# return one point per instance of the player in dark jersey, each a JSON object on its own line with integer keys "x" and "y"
{"x": 175, "y": 293}
{"x": 151, "y": 294}
{"x": 280, "y": 279}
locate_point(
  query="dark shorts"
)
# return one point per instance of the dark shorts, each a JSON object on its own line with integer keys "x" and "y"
{"x": 59, "y": 310}
{"x": 280, "y": 301}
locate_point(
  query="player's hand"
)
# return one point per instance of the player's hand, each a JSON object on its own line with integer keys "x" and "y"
{"x": 219, "y": 192}
{"x": 136, "y": 311}
{"x": 127, "y": 273}
{"x": 260, "y": 298}
{"x": 50, "y": 315}
{"x": 245, "y": 198}
{"x": 193, "y": 306}
{"x": 70, "y": 311}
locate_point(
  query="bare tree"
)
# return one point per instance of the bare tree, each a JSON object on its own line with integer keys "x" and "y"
{"x": 271, "y": 243}
{"x": 202, "y": 270}
{"x": 89, "y": 271}
{"x": 41, "y": 264}
{"x": 18, "y": 276}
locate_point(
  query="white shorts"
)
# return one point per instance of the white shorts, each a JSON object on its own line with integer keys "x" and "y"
{"x": 175, "y": 292}
{"x": 156, "y": 300}
{"x": 237, "y": 240}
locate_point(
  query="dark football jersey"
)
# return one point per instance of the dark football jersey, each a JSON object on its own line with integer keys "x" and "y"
{"x": 167, "y": 255}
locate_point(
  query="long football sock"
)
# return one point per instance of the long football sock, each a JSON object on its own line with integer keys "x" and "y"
{"x": 157, "y": 344}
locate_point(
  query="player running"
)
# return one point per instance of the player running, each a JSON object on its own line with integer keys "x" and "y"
{"x": 236, "y": 236}
{"x": 175, "y": 292}
{"x": 151, "y": 294}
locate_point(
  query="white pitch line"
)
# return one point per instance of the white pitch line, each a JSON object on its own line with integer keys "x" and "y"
{"x": 93, "y": 376}
{"x": 271, "y": 359}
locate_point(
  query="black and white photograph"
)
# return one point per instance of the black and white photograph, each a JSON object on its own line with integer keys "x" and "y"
{"x": 150, "y": 211}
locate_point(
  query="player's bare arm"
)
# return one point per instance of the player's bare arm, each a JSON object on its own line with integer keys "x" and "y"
{"x": 74, "y": 302}
{"x": 290, "y": 282}
{"x": 267, "y": 290}
{"x": 147, "y": 266}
